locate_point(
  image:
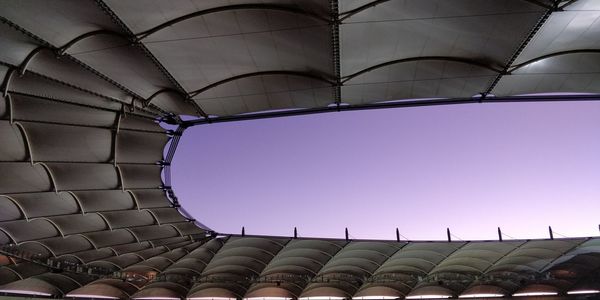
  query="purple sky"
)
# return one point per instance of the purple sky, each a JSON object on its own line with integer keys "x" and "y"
{"x": 520, "y": 166}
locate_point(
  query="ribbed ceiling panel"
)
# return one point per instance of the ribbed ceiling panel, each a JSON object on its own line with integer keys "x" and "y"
{"x": 85, "y": 84}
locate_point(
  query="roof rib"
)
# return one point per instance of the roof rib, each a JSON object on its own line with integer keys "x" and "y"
{"x": 422, "y": 58}
{"x": 347, "y": 14}
{"x": 86, "y": 35}
{"x": 531, "y": 61}
{"x": 335, "y": 47}
{"x": 107, "y": 10}
{"x": 393, "y": 104}
{"x": 265, "y": 6}
{"x": 277, "y": 72}
{"x": 46, "y": 44}
{"x": 522, "y": 47}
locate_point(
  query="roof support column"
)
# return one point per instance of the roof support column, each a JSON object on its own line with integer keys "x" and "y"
{"x": 335, "y": 47}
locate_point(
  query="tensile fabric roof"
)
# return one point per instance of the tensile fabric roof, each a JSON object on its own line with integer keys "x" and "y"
{"x": 88, "y": 88}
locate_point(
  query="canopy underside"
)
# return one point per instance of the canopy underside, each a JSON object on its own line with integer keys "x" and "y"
{"x": 86, "y": 209}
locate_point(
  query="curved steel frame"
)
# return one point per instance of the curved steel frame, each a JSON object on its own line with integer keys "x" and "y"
{"x": 161, "y": 68}
{"x": 90, "y": 34}
{"x": 144, "y": 34}
{"x": 421, "y": 58}
{"x": 44, "y": 43}
{"x": 561, "y": 53}
{"x": 394, "y": 104}
{"x": 25, "y": 63}
{"x": 163, "y": 91}
{"x": 347, "y": 14}
{"x": 292, "y": 73}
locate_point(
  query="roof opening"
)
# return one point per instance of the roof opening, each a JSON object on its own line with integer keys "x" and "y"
{"x": 518, "y": 166}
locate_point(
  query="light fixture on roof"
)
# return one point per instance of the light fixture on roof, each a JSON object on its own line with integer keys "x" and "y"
{"x": 321, "y": 298}
{"x": 91, "y": 296}
{"x": 489, "y": 295}
{"x": 535, "y": 294}
{"x": 429, "y": 297}
{"x": 210, "y": 298}
{"x": 536, "y": 63}
{"x": 374, "y": 297}
{"x": 268, "y": 298}
{"x": 579, "y": 292}
{"x": 23, "y": 292}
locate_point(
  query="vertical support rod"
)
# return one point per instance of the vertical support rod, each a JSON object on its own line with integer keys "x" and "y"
{"x": 397, "y": 235}
{"x": 499, "y": 234}
{"x": 551, "y": 233}
{"x": 448, "y": 233}
{"x": 335, "y": 45}
{"x": 346, "y": 234}
{"x": 243, "y": 231}
{"x": 295, "y": 233}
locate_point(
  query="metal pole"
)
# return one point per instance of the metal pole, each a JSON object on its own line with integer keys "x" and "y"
{"x": 448, "y": 233}
{"x": 397, "y": 235}
{"x": 499, "y": 234}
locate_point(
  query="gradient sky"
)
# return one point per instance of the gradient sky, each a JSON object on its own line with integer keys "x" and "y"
{"x": 520, "y": 166}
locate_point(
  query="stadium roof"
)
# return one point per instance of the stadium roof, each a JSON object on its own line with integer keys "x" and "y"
{"x": 85, "y": 192}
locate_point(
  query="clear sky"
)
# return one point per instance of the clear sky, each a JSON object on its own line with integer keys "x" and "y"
{"x": 520, "y": 166}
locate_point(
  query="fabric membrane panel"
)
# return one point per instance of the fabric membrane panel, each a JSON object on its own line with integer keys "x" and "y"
{"x": 91, "y": 94}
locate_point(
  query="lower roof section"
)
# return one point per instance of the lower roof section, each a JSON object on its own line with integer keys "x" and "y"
{"x": 257, "y": 267}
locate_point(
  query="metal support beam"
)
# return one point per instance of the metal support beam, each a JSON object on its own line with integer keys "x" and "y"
{"x": 6, "y": 81}
{"x": 346, "y": 234}
{"x": 424, "y": 58}
{"x": 395, "y": 104}
{"x": 112, "y": 128}
{"x": 164, "y": 91}
{"x": 264, "y": 6}
{"x": 448, "y": 234}
{"x": 108, "y": 11}
{"x": 29, "y": 58}
{"x": 347, "y": 14}
{"x": 499, "y": 234}
{"x": 262, "y": 73}
{"x": 531, "y": 61}
{"x": 63, "y": 101}
{"x": 540, "y": 4}
{"x": 90, "y": 34}
{"x": 335, "y": 49}
{"x": 174, "y": 143}
{"x": 551, "y": 233}
{"x": 520, "y": 49}
{"x": 23, "y": 68}
{"x": 397, "y": 235}
{"x": 350, "y": 13}
{"x": 46, "y": 44}
{"x": 567, "y": 4}
{"x": 116, "y": 128}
